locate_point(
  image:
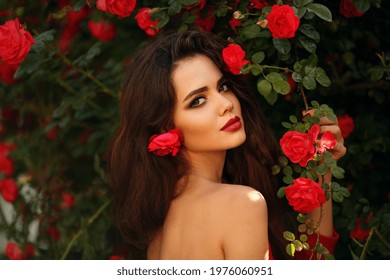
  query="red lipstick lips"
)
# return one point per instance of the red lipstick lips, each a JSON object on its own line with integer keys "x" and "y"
{"x": 232, "y": 125}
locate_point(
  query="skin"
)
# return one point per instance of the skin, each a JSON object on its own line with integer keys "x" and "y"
{"x": 210, "y": 219}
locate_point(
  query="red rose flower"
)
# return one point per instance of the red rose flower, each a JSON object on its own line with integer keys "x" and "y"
{"x": 121, "y": 8}
{"x": 67, "y": 200}
{"x": 74, "y": 18}
{"x": 54, "y": 233}
{"x": 15, "y": 42}
{"x": 8, "y": 190}
{"x": 348, "y": 9}
{"x": 282, "y": 22}
{"x": 259, "y": 4}
{"x": 6, "y": 163}
{"x": 299, "y": 147}
{"x": 102, "y": 30}
{"x": 166, "y": 143}
{"x": 358, "y": 232}
{"x": 346, "y": 124}
{"x": 305, "y": 195}
{"x": 7, "y": 72}
{"x": 145, "y": 23}
{"x": 116, "y": 257}
{"x": 13, "y": 252}
{"x": 234, "y": 55}
{"x": 234, "y": 23}
{"x": 207, "y": 22}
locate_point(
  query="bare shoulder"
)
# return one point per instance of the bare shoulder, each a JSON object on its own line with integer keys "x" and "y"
{"x": 244, "y": 198}
{"x": 245, "y": 223}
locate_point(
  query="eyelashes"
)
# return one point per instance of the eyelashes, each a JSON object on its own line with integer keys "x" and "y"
{"x": 201, "y": 99}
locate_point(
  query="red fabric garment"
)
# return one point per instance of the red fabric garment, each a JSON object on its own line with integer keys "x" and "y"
{"x": 327, "y": 241}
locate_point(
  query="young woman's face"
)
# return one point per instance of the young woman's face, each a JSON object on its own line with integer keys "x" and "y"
{"x": 207, "y": 111}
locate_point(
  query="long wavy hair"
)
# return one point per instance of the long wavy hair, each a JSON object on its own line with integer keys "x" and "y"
{"x": 144, "y": 184}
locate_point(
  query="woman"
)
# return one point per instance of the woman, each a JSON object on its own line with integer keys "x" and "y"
{"x": 191, "y": 162}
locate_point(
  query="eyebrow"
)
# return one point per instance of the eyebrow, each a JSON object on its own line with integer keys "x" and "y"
{"x": 202, "y": 89}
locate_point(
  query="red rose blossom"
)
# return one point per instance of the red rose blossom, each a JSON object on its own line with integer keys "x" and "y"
{"x": 259, "y": 4}
{"x": 6, "y": 163}
{"x": 145, "y": 23}
{"x": 207, "y": 22}
{"x": 346, "y": 124}
{"x": 282, "y": 22}
{"x": 67, "y": 200}
{"x": 15, "y": 42}
{"x": 166, "y": 143}
{"x": 8, "y": 189}
{"x": 358, "y": 232}
{"x": 299, "y": 147}
{"x": 121, "y": 8}
{"x": 102, "y": 30}
{"x": 305, "y": 195}
{"x": 7, "y": 72}
{"x": 234, "y": 55}
{"x": 13, "y": 252}
{"x": 348, "y": 9}
{"x": 234, "y": 23}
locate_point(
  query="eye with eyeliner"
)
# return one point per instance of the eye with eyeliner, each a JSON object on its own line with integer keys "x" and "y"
{"x": 196, "y": 101}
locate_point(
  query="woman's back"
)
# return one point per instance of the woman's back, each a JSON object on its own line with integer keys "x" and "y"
{"x": 204, "y": 222}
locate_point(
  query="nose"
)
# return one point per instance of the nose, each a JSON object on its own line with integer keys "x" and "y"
{"x": 226, "y": 105}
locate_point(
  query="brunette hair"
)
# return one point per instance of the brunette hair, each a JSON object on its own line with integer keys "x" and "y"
{"x": 144, "y": 184}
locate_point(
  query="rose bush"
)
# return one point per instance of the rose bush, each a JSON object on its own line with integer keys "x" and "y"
{"x": 59, "y": 97}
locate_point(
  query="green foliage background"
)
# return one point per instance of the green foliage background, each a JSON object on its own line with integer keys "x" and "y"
{"x": 77, "y": 94}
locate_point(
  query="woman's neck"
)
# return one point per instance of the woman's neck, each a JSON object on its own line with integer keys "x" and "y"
{"x": 208, "y": 166}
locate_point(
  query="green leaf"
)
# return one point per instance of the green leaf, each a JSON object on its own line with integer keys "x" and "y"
{"x": 256, "y": 69}
{"x": 271, "y": 98}
{"x": 293, "y": 119}
{"x": 309, "y": 83}
{"x": 301, "y": 218}
{"x": 296, "y": 77}
{"x": 362, "y": 5}
{"x": 188, "y": 2}
{"x": 308, "y": 44}
{"x": 298, "y": 245}
{"x": 302, "y": 3}
{"x": 337, "y": 172}
{"x": 282, "y": 45}
{"x": 309, "y": 31}
{"x": 286, "y": 125}
{"x": 322, "y": 169}
{"x": 79, "y": 5}
{"x": 258, "y": 57}
{"x": 301, "y": 12}
{"x": 281, "y": 86}
{"x": 287, "y": 170}
{"x": 288, "y": 235}
{"x": 302, "y": 228}
{"x": 376, "y": 73}
{"x": 283, "y": 161}
{"x": 163, "y": 21}
{"x": 337, "y": 196}
{"x": 281, "y": 192}
{"x": 174, "y": 9}
{"x": 303, "y": 237}
{"x": 274, "y": 77}
{"x": 321, "y": 77}
{"x": 320, "y": 10}
{"x": 40, "y": 40}
{"x": 289, "y": 180}
{"x": 252, "y": 31}
{"x": 264, "y": 87}
{"x": 290, "y": 249}
{"x": 275, "y": 169}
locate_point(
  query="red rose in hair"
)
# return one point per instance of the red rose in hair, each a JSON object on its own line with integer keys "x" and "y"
{"x": 234, "y": 55}
{"x": 259, "y": 4}
{"x": 305, "y": 195}
{"x": 15, "y": 42}
{"x": 346, "y": 124}
{"x": 121, "y": 8}
{"x": 8, "y": 190}
{"x": 102, "y": 30}
{"x": 166, "y": 143}
{"x": 145, "y": 23}
{"x": 7, "y": 72}
{"x": 348, "y": 9}
{"x": 282, "y": 22}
